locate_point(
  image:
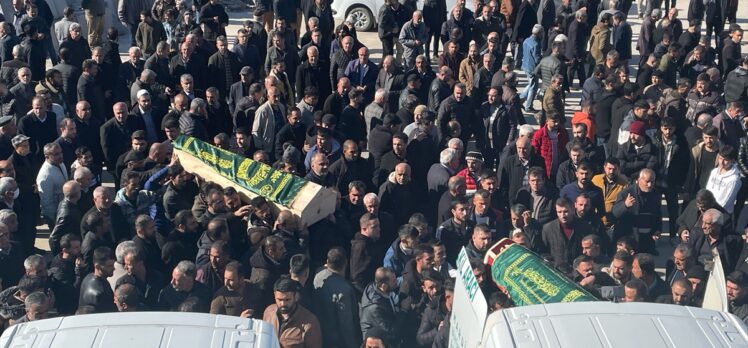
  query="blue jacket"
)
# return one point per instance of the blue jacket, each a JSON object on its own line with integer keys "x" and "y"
{"x": 531, "y": 54}
{"x": 395, "y": 259}
{"x": 332, "y": 157}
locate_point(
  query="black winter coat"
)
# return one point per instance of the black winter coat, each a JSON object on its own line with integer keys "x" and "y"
{"x": 563, "y": 250}
{"x": 68, "y": 221}
{"x": 633, "y": 161}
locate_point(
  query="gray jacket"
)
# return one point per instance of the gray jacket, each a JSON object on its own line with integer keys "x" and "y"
{"x": 408, "y": 36}
{"x": 548, "y": 67}
{"x": 263, "y": 128}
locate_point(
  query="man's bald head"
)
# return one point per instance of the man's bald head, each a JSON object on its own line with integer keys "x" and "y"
{"x": 402, "y": 166}
{"x": 79, "y": 106}
{"x": 71, "y": 190}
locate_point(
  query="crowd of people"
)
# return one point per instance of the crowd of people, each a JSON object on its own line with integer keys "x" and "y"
{"x": 426, "y": 161}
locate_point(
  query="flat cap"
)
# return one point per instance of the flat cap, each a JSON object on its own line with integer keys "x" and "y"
{"x": 18, "y": 139}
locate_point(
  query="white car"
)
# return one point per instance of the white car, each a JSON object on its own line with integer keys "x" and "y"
{"x": 363, "y": 13}
{"x": 142, "y": 330}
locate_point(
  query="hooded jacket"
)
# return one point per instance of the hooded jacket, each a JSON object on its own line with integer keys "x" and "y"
{"x": 366, "y": 257}
{"x": 725, "y": 186}
{"x": 265, "y": 272}
{"x": 380, "y": 311}
{"x": 395, "y": 258}
{"x": 144, "y": 204}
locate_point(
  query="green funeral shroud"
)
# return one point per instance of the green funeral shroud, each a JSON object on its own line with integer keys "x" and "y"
{"x": 529, "y": 280}
{"x": 254, "y": 176}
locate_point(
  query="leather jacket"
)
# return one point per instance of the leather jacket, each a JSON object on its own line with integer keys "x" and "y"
{"x": 97, "y": 293}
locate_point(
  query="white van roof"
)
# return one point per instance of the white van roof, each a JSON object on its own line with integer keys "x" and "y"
{"x": 606, "y": 324}
{"x": 142, "y": 330}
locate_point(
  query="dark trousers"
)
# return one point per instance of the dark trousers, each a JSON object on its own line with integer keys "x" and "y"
{"x": 133, "y": 30}
{"x": 673, "y": 208}
{"x": 388, "y": 45}
{"x": 491, "y": 157}
{"x": 713, "y": 29}
{"x": 645, "y": 242}
{"x": 577, "y": 65}
{"x": 434, "y": 38}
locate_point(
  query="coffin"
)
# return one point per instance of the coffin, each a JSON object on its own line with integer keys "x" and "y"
{"x": 307, "y": 200}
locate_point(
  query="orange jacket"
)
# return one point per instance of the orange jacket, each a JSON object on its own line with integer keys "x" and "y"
{"x": 581, "y": 117}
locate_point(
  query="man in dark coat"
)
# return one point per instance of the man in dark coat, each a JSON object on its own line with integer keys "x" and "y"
{"x": 88, "y": 90}
{"x": 526, "y": 19}
{"x": 240, "y": 89}
{"x": 498, "y": 129}
{"x": 158, "y": 62}
{"x": 76, "y": 45}
{"x": 96, "y": 293}
{"x": 68, "y": 215}
{"x": 292, "y": 132}
{"x": 39, "y": 126}
{"x": 638, "y": 153}
{"x": 576, "y": 48}
{"x": 268, "y": 264}
{"x": 115, "y": 134}
{"x": 728, "y": 245}
{"x": 619, "y": 109}
{"x": 539, "y": 196}
{"x": 513, "y": 171}
{"x": 696, "y": 10}
{"x": 366, "y": 253}
{"x": 646, "y": 43}
{"x": 8, "y": 39}
{"x": 223, "y": 67}
{"x": 337, "y": 308}
{"x": 214, "y": 20}
{"x": 391, "y": 18}
{"x": 622, "y": 36}
{"x": 351, "y": 167}
{"x": 312, "y": 73}
{"x": 130, "y": 70}
{"x": 179, "y": 192}
{"x": 455, "y": 232}
{"x": 730, "y": 57}
{"x": 339, "y": 61}
{"x": 188, "y": 61}
{"x": 562, "y": 238}
{"x": 193, "y": 122}
{"x": 459, "y": 107}
{"x": 380, "y": 138}
{"x": 379, "y": 315}
{"x": 638, "y": 211}
{"x": 459, "y": 18}
{"x": 70, "y": 75}
{"x": 399, "y": 195}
